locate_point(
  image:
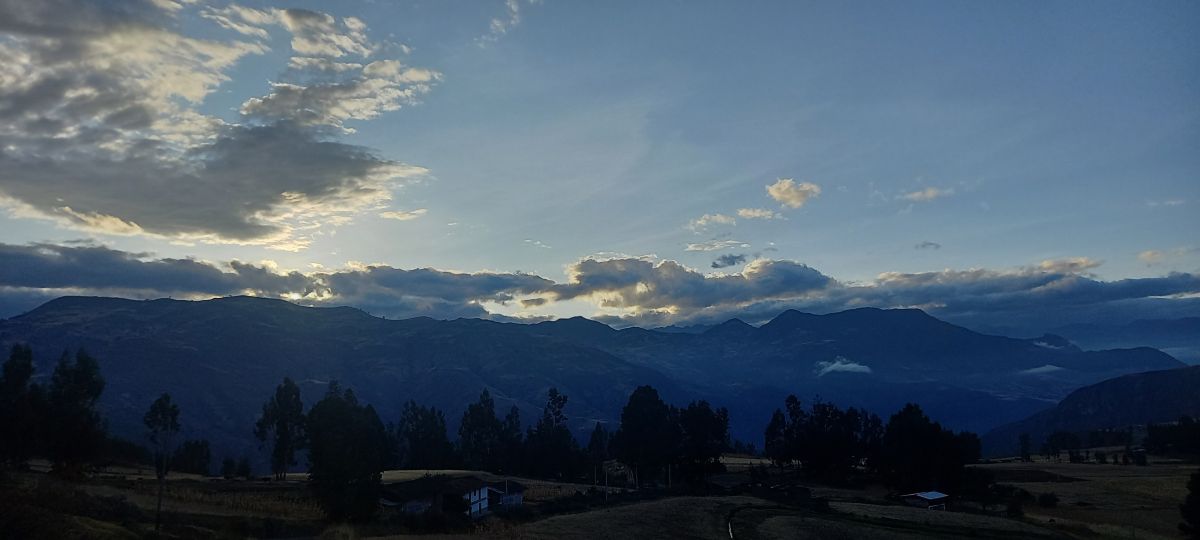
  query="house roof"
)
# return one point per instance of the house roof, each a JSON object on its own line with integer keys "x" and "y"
{"x": 510, "y": 486}
{"x": 927, "y": 495}
{"x": 430, "y": 486}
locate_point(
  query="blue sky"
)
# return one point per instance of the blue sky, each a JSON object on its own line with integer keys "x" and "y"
{"x": 962, "y": 144}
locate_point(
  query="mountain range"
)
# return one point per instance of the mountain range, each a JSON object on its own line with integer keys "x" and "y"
{"x": 221, "y": 358}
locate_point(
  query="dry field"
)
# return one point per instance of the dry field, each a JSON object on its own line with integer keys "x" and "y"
{"x": 1110, "y": 501}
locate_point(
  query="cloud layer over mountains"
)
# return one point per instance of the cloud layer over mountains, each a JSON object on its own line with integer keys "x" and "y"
{"x": 624, "y": 290}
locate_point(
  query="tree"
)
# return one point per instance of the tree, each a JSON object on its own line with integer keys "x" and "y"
{"x": 775, "y": 439}
{"x": 346, "y": 455}
{"x": 648, "y": 435}
{"x": 479, "y": 435}
{"x": 550, "y": 447}
{"x": 162, "y": 423}
{"x": 597, "y": 449}
{"x": 74, "y": 430}
{"x": 1190, "y": 509}
{"x": 19, "y": 404}
{"x": 243, "y": 468}
{"x": 421, "y": 438}
{"x": 193, "y": 456}
{"x": 512, "y": 442}
{"x": 919, "y": 454}
{"x": 228, "y": 468}
{"x": 1024, "y": 440}
{"x": 282, "y": 425}
{"x": 704, "y": 437}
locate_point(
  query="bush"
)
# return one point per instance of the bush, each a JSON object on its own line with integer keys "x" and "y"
{"x": 1047, "y": 500}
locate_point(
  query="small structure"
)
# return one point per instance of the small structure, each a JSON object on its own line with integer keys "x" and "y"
{"x": 505, "y": 495}
{"x": 932, "y": 500}
{"x": 438, "y": 494}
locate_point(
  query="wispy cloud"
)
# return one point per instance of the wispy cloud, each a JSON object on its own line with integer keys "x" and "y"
{"x": 702, "y": 223}
{"x": 716, "y": 245}
{"x": 839, "y": 365}
{"x": 927, "y": 245}
{"x": 758, "y": 213}
{"x": 927, "y": 194}
{"x": 401, "y": 215}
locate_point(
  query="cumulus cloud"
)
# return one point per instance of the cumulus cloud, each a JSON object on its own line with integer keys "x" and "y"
{"x": 725, "y": 261}
{"x": 501, "y": 25}
{"x": 839, "y": 365}
{"x": 927, "y": 194}
{"x": 927, "y": 245}
{"x": 100, "y": 126}
{"x": 716, "y": 245}
{"x": 791, "y": 194}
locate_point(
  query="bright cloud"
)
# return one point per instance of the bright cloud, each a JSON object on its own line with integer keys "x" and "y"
{"x": 791, "y": 194}
{"x": 927, "y": 194}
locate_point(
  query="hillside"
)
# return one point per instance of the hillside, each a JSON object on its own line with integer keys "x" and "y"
{"x": 221, "y": 358}
{"x": 1141, "y": 398}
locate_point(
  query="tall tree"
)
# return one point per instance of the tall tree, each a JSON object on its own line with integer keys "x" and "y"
{"x": 479, "y": 435}
{"x": 550, "y": 447}
{"x": 512, "y": 442}
{"x": 421, "y": 435}
{"x": 919, "y": 454}
{"x": 1190, "y": 509}
{"x": 648, "y": 435}
{"x": 704, "y": 437}
{"x": 193, "y": 456}
{"x": 19, "y": 404}
{"x": 346, "y": 455}
{"x": 597, "y": 449}
{"x": 282, "y": 426}
{"x": 162, "y": 425}
{"x": 775, "y": 439}
{"x": 74, "y": 429}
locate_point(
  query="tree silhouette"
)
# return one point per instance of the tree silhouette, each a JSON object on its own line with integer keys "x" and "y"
{"x": 775, "y": 439}
{"x": 282, "y": 424}
{"x": 479, "y": 435}
{"x": 1190, "y": 509}
{"x": 550, "y": 447}
{"x": 229, "y": 468}
{"x": 74, "y": 430}
{"x": 704, "y": 436}
{"x": 19, "y": 404}
{"x": 648, "y": 435}
{"x": 512, "y": 442}
{"x": 162, "y": 423}
{"x": 1025, "y": 448}
{"x": 421, "y": 436}
{"x": 919, "y": 454}
{"x": 597, "y": 449}
{"x": 346, "y": 455}
{"x": 194, "y": 456}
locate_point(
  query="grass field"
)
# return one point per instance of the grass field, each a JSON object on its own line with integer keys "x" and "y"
{"x": 1095, "y": 501}
{"x": 1108, "y": 501}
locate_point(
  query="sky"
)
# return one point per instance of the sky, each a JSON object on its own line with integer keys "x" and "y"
{"x": 1015, "y": 165}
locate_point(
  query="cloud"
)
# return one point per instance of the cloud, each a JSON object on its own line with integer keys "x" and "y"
{"x": 839, "y": 365}
{"x": 1041, "y": 370}
{"x": 716, "y": 245}
{"x": 927, "y": 245}
{"x": 725, "y": 261}
{"x": 927, "y": 194}
{"x": 100, "y": 128}
{"x": 499, "y": 26}
{"x": 1155, "y": 257}
{"x": 401, "y": 215}
{"x": 701, "y": 223}
{"x": 791, "y": 194}
{"x": 537, "y": 243}
{"x": 758, "y": 213}
{"x": 625, "y": 290}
